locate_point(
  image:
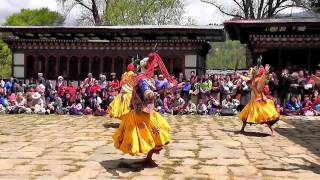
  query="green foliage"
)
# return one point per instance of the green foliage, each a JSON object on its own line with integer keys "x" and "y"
{"x": 227, "y": 55}
{"x": 27, "y": 17}
{"x": 35, "y": 17}
{"x": 146, "y": 12}
{"x": 5, "y": 60}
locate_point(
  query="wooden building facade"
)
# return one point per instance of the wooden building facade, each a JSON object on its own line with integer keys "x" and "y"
{"x": 293, "y": 43}
{"x": 73, "y": 52}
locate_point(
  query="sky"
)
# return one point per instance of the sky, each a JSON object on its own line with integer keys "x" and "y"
{"x": 203, "y": 13}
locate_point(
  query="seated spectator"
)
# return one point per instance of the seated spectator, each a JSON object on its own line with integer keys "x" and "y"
{"x": 316, "y": 103}
{"x": 103, "y": 82}
{"x": 178, "y": 104}
{"x": 159, "y": 104}
{"x": 95, "y": 88}
{"x": 191, "y": 108}
{"x": 99, "y": 111}
{"x": 76, "y": 108}
{"x": 20, "y": 104}
{"x": 307, "y": 106}
{"x": 59, "y": 109}
{"x": 11, "y": 104}
{"x": 202, "y": 108}
{"x": 213, "y": 105}
{"x": 229, "y": 106}
{"x": 38, "y": 105}
{"x": 292, "y": 107}
{"x": 168, "y": 100}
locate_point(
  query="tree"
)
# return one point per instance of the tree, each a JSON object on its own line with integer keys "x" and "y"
{"x": 91, "y": 11}
{"x": 5, "y": 60}
{"x": 257, "y": 9}
{"x": 227, "y": 55}
{"x": 151, "y": 12}
{"x": 26, "y": 17}
{"x": 315, "y": 4}
{"x": 35, "y": 17}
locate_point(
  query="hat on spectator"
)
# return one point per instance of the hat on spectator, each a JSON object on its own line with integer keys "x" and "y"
{"x": 36, "y": 95}
{"x": 113, "y": 74}
{"x": 60, "y": 77}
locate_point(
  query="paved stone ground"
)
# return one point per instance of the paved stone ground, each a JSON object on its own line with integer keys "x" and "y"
{"x": 68, "y": 147}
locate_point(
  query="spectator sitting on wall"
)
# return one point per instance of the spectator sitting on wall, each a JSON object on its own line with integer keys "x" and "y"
{"x": 88, "y": 81}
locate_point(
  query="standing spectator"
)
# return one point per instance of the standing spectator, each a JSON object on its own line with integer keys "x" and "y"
{"x": 245, "y": 94}
{"x": 215, "y": 91}
{"x": 227, "y": 87}
{"x": 103, "y": 82}
{"x": 274, "y": 86}
{"x": 9, "y": 86}
{"x": 284, "y": 84}
{"x": 40, "y": 78}
{"x": 114, "y": 83}
{"x": 60, "y": 86}
{"x": 309, "y": 84}
{"x": 205, "y": 88}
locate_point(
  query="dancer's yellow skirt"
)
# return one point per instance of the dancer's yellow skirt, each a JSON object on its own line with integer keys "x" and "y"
{"x": 259, "y": 112}
{"x": 120, "y": 105}
{"x": 139, "y": 132}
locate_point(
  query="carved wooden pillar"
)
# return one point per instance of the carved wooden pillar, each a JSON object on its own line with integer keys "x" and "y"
{"x": 57, "y": 66}
{"x": 100, "y": 64}
{"x": 78, "y": 66}
{"x": 90, "y": 64}
{"x": 68, "y": 67}
{"x": 171, "y": 65}
{"x": 45, "y": 73}
{"x": 112, "y": 63}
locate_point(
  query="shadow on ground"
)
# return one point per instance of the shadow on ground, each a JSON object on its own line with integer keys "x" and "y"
{"x": 111, "y": 125}
{"x": 247, "y": 133}
{"x": 123, "y": 165}
{"x": 304, "y": 132}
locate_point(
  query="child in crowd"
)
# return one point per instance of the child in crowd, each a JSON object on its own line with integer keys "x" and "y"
{"x": 202, "y": 108}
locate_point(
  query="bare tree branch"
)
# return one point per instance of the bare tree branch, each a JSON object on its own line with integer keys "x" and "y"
{"x": 220, "y": 8}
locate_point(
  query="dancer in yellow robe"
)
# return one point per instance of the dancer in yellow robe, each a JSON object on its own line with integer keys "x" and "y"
{"x": 143, "y": 130}
{"x": 260, "y": 109}
{"x": 121, "y": 103}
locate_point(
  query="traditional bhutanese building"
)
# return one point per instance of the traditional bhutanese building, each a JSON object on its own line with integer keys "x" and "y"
{"x": 284, "y": 42}
{"x": 73, "y": 52}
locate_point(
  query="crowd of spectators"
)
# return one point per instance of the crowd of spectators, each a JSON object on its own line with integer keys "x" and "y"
{"x": 295, "y": 92}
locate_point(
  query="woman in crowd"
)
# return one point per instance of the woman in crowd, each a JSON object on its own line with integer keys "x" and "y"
{"x": 260, "y": 109}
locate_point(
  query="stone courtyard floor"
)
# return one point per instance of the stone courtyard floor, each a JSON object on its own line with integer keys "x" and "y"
{"x": 69, "y": 147}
